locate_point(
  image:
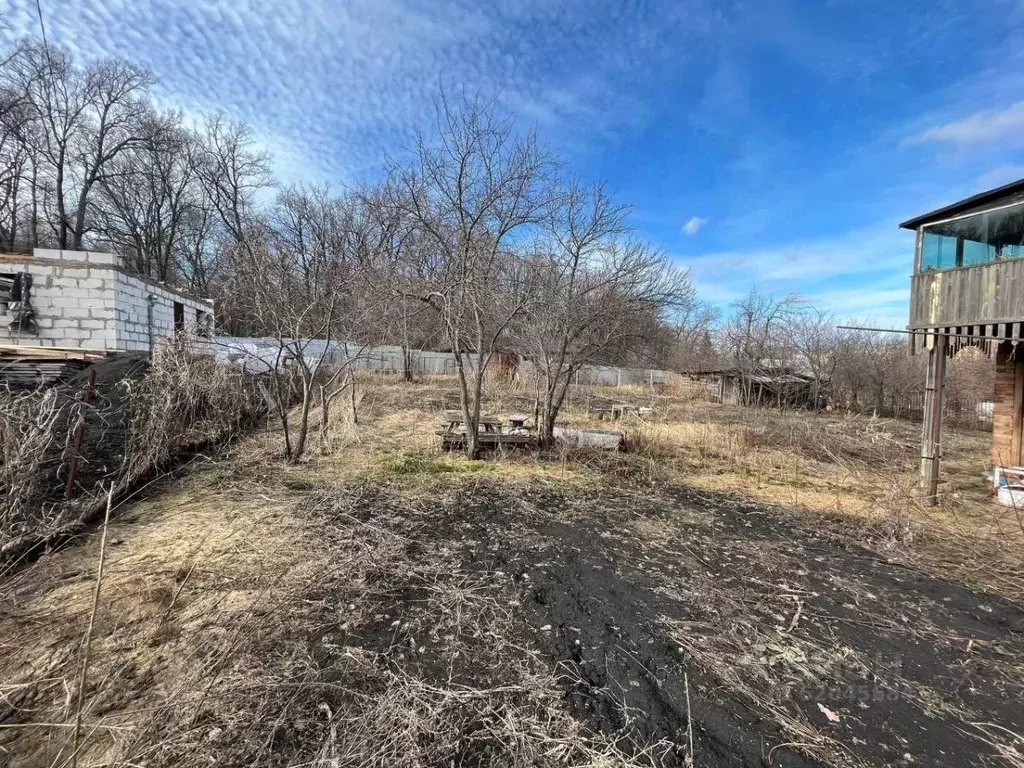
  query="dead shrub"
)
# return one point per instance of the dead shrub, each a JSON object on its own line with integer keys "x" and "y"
{"x": 142, "y": 416}
{"x": 28, "y": 432}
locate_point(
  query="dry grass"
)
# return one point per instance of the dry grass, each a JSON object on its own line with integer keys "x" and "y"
{"x": 855, "y": 473}
{"x": 245, "y": 620}
{"x": 249, "y": 613}
{"x": 204, "y": 560}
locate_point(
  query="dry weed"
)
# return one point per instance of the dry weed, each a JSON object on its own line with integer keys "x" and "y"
{"x": 140, "y": 419}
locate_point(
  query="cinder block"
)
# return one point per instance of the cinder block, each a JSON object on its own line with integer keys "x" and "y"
{"x": 100, "y": 258}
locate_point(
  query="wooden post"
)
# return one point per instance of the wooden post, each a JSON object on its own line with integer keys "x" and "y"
{"x": 90, "y": 384}
{"x": 1016, "y": 439}
{"x": 931, "y": 431}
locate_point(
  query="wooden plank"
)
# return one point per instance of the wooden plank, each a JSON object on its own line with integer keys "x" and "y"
{"x": 455, "y": 417}
{"x": 456, "y": 440}
{"x": 61, "y": 353}
{"x": 985, "y": 293}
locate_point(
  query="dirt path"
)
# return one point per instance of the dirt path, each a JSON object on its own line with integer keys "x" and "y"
{"x": 786, "y": 636}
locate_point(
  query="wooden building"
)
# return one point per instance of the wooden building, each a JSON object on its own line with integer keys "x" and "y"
{"x": 780, "y": 387}
{"x": 968, "y": 290}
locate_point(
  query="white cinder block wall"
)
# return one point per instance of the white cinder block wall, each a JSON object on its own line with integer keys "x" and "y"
{"x": 89, "y": 300}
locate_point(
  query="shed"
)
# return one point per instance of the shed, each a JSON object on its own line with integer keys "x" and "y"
{"x": 780, "y": 385}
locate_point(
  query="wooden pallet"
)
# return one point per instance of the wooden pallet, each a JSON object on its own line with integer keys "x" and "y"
{"x": 451, "y": 441}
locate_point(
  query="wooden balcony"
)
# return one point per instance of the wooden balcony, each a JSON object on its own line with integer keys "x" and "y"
{"x": 968, "y": 296}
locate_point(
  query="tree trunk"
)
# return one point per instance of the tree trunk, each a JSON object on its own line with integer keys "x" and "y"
{"x": 478, "y": 385}
{"x": 282, "y": 413}
{"x": 325, "y": 415}
{"x": 61, "y": 210}
{"x": 407, "y": 363}
{"x": 469, "y": 422}
{"x": 303, "y": 430}
{"x": 546, "y": 431}
{"x": 352, "y": 395}
{"x": 34, "y": 231}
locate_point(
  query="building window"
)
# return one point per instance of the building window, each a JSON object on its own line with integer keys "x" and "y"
{"x": 10, "y": 290}
{"x": 179, "y": 317}
{"x": 980, "y": 238}
{"x": 16, "y": 302}
{"x": 203, "y": 325}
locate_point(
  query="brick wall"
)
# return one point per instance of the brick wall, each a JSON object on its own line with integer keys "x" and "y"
{"x": 88, "y": 300}
{"x": 1003, "y": 410}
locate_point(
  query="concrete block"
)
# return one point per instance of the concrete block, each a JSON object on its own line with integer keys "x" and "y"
{"x": 101, "y": 258}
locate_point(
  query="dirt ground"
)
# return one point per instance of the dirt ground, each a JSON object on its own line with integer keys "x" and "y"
{"x": 738, "y": 590}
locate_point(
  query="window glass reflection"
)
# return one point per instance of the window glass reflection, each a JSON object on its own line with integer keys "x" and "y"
{"x": 977, "y": 239}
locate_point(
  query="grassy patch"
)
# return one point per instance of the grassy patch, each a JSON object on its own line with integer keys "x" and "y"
{"x": 404, "y": 464}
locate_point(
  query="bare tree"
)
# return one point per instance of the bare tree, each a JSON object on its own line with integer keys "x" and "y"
{"x": 471, "y": 196}
{"x": 152, "y": 198}
{"x": 594, "y": 294}
{"x": 301, "y": 285}
{"x": 690, "y": 345}
{"x": 118, "y": 119}
{"x": 816, "y": 339}
{"x": 16, "y": 162}
{"x": 758, "y": 337}
{"x": 79, "y": 122}
{"x": 233, "y": 171}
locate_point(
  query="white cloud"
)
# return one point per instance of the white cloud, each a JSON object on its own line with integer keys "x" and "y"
{"x": 693, "y": 225}
{"x": 347, "y": 82}
{"x": 846, "y": 254}
{"x": 979, "y": 127}
{"x": 999, "y": 176}
{"x": 862, "y": 273}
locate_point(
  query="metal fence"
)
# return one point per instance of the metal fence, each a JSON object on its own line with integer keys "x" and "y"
{"x": 974, "y": 413}
{"x": 608, "y": 375}
{"x": 263, "y": 354}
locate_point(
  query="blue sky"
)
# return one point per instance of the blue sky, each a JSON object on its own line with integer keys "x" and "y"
{"x": 770, "y": 144}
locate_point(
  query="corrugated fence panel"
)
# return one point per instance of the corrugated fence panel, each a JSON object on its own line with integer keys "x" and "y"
{"x": 260, "y": 355}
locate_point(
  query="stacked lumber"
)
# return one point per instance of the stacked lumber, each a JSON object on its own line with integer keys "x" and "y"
{"x": 31, "y": 366}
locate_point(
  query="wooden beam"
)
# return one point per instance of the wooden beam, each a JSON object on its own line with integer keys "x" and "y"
{"x": 924, "y": 332}
{"x": 1016, "y": 449}
{"x": 931, "y": 429}
{"x": 57, "y": 353}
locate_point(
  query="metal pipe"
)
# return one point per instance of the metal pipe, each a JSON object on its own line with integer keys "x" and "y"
{"x": 149, "y": 320}
{"x": 920, "y": 332}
